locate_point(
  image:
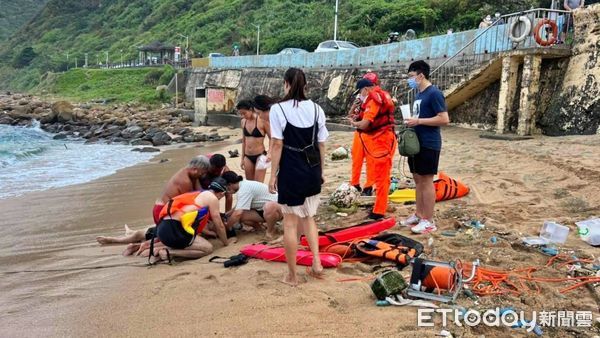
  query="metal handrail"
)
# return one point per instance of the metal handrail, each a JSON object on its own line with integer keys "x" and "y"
{"x": 447, "y": 77}
{"x": 501, "y": 18}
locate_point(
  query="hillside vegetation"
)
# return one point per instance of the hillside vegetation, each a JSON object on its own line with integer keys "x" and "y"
{"x": 118, "y": 27}
{"x": 15, "y": 13}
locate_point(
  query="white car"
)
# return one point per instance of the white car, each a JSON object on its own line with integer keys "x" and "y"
{"x": 335, "y": 45}
{"x": 215, "y": 55}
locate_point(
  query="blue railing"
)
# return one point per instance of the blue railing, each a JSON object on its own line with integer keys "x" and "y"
{"x": 437, "y": 47}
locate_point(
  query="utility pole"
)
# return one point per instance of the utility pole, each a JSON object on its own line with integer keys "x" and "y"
{"x": 257, "y": 39}
{"x": 176, "y": 91}
{"x": 106, "y": 59}
{"x": 121, "y": 58}
{"x": 75, "y": 63}
{"x": 86, "y": 60}
{"x": 335, "y": 23}
{"x": 187, "y": 46}
{"x": 67, "y": 60}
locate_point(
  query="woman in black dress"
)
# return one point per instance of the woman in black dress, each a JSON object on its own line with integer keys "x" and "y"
{"x": 297, "y": 157}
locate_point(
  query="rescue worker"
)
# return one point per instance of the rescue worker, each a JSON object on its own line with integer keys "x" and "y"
{"x": 358, "y": 153}
{"x": 376, "y": 135}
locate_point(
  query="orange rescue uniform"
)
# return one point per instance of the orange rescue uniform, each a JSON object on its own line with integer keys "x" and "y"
{"x": 379, "y": 145}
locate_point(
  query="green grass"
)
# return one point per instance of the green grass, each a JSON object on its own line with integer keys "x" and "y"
{"x": 121, "y": 85}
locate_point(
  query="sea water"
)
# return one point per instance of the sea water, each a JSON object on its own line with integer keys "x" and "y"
{"x": 31, "y": 160}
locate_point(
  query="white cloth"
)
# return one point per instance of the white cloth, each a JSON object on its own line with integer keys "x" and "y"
{"x": 253, "y": 195}
{"x": 308, "y": 209}
{"x": 301, "y": 116}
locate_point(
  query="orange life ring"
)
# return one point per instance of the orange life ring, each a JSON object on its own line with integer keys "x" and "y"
{"x": 537, "y": 36}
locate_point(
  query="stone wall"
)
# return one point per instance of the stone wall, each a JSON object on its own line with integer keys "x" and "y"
{"x": 574, "y": 107}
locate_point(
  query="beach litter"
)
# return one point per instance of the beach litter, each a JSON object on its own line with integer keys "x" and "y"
{"x": 340, "y": 153}
{"x": 589, "y": 231}
{"x": 550, "y": 232}
{"x": 344, "y": 199}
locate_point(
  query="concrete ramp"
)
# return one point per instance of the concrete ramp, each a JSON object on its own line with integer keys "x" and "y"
{"x": 474, "y": 83}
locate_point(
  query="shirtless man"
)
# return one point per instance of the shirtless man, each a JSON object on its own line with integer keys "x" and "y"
{"x": 185, "y": 180}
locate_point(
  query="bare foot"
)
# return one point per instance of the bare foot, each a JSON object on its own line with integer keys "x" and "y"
{"x": 316, "y": 270}
{"x": 277, "y": 241}
{"x": 161, "y": 255}
{"x": 128, "y": 230}
{"x": 131, "y": 249}
{"x": 104, "y": 240}
{"x": 290, "y": 280}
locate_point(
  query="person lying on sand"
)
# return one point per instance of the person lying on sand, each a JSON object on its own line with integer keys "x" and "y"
{"x": 182, "y": 219}
{"x": 185, "y": 180}
{"x": 256, "y": 205}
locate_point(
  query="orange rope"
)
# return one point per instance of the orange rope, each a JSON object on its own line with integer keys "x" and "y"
{"x": 491, "y": 282}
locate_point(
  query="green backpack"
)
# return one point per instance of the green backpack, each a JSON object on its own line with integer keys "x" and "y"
{"x": 408, "y": 142}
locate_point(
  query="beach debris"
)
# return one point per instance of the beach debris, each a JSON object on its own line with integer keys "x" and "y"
{"x": 146, "y": 150}
{"x": 589, "y": 231}
{"x": 493, "y": 240}
{"x": 445, "y": 333}
{"x": 522, "y": 323}
{"x": 398, "y": 300}
{"x": 233, "y": 153}
{"x": 344, "y": 197}
{"x": 551, "y": 232}
{"x": 388, "y": 283}
{"x": 449, "y": 233}
{"x": 474, "y": 224}
{"x": 340, "y": 153}
{"x": 549, "y": 250}
{"x": 342, "y": 214}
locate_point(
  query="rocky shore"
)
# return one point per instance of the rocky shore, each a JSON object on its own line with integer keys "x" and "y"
{"x": 110, "y": 123}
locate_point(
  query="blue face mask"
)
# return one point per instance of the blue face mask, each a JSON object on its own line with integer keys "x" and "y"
{"x": 412, "y": 83}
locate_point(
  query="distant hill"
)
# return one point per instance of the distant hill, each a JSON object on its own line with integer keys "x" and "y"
{"x": 15, "y": 13}
{"x": 95, "y": 27}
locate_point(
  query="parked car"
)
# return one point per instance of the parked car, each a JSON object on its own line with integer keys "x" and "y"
{"x": 292, "y": 51}
{"x": 215, "y": 55}
{"x": 334, "y": 45}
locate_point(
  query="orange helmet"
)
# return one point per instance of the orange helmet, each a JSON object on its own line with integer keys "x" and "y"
{"x": 371, "y": 76}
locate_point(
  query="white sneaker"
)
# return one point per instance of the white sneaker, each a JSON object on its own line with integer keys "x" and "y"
{"x": 410, "y": 221}
{"x": 424, "y": 227}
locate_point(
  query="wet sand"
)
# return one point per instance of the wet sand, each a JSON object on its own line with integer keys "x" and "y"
{"x": 79, "y": 288}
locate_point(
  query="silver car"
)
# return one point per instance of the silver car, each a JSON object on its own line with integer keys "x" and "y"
{"x": 335, "y": 45}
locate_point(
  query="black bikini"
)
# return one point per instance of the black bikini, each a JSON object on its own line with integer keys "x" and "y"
{"x": 255, "y": 133}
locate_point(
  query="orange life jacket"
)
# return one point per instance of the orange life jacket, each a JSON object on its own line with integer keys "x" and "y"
{"x": 447, "y": 188}
{"x": 396, "y": 253}
{"x": 192, "y": 222}
{"x": 385, "y": 116}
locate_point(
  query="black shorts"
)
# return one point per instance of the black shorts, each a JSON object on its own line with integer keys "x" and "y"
{"x": 171, "y": 233}
{"x": 150, "y": 233}
{"x": 425, "y": 162}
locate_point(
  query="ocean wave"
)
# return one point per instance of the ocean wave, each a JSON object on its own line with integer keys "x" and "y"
{"x": 31, "y": 160}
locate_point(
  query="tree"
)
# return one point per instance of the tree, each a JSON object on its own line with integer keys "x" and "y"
{"x": 24, "y": 58}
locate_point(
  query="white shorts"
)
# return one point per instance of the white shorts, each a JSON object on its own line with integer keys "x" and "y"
{"x": 308, "y": 209}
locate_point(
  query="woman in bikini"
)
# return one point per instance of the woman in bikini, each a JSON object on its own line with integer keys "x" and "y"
{"x": 254, "y": 131}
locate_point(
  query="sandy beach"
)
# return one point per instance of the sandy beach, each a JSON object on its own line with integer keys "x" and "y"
{"x": 57, "y": 281}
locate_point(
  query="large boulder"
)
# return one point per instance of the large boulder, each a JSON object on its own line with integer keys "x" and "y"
{"x": 133, "y": 131}
{"x": 63, "y": 111}
{"x": 161, "y": 138}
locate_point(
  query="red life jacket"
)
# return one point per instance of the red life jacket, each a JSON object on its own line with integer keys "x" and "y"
{"x": 385, "y": 116}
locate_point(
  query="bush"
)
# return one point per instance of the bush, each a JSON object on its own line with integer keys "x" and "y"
{"x": 24, "y": 58}
{"x": 167, "y": 75}
{"x": 153, "y": 76}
